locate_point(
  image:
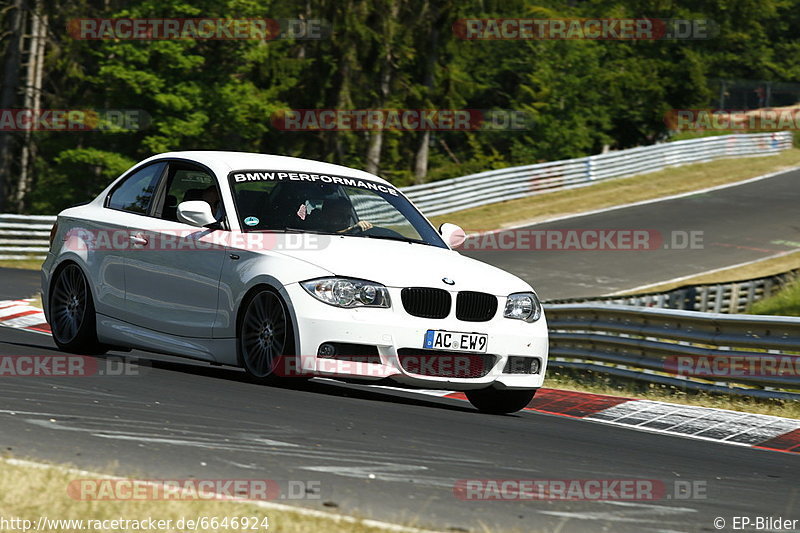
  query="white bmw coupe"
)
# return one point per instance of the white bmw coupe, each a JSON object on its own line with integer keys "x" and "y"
{"x": 288, "y": 267}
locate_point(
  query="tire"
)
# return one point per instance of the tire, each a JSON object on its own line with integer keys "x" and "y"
{"x": 72, "y": 316}
{"x": 500, "y": 402}
{"x": 265, "y": 339}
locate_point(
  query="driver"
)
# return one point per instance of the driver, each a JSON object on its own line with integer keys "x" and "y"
{"x": 211, "y": 197}
{"x": 337, "y": 213}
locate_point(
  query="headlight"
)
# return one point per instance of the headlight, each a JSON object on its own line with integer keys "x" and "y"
{"x": 344, "y": 292}
{"x": 523, "y": 306}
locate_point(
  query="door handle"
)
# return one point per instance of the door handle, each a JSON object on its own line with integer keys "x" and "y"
{"x": 138, "y": 240}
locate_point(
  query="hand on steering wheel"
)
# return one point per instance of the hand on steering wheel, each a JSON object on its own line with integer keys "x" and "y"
{"x": 361, "y": 225}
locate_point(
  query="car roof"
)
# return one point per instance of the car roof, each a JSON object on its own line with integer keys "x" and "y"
{"x": 223, "y": 162}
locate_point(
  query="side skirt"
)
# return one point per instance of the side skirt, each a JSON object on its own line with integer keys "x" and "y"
{"x": 116, "y": 332}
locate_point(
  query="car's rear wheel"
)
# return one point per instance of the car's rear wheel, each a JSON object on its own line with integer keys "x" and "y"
{"x": 265, "y": 336}
{"x": 72, "y": 315}
{"x": 500, "y": 402}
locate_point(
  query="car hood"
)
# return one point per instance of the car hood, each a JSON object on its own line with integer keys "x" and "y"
{"x": 402, "y": 264}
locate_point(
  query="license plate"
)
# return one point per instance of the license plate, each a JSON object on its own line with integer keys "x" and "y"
{"x": 436, "y": 339}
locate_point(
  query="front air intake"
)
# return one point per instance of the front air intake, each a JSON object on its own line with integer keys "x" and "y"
{"x": 437, "y": 363}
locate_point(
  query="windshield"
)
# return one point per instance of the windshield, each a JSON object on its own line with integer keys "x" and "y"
{"x": 274, "y": 200}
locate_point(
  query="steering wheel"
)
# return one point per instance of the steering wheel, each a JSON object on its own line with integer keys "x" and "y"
{"x": 354, "y": 229}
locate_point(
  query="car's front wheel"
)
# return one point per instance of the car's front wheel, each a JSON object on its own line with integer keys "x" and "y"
{"x": 265, "y": 336}
{"x": 72, "y": 315}
{"x": 500, "y": 402}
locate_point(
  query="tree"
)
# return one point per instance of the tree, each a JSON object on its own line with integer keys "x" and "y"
{"x": 13, "y": 30}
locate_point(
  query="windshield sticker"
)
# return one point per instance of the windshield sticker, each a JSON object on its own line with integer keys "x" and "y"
{"x": 301, "y": 212}
{"x": 251, "y": 221}
{"x": 248, "y": 176}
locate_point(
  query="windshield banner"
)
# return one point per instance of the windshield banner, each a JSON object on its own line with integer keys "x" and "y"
{"x": 244, "y": 176}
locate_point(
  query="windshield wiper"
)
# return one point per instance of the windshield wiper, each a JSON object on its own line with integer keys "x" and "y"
{"x": 391, "y": 238}
{"x": 295, "y": 230}
{"x": 289, "y": 229}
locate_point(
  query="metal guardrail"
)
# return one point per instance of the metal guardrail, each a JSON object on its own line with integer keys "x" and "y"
{"x": 447, "y": 196}
{"x": 712, "y": 351}
{"x": 732, "y": 297}
{"x": 25, "y": 236}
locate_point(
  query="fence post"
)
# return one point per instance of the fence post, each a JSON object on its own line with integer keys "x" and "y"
{"x": 589, "y": 163}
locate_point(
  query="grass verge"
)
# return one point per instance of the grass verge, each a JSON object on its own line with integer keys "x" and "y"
{"x": 37, "y": 300}
{"x": 613, "y": 192}
{"x": 597, "y": 383}
{"x": 27, "y": 264}
{"x": 769, "y": 266}
{"x": 785, "y": 302}
{"x": 29, "y": 492}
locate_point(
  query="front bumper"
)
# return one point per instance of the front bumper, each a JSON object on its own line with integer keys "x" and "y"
{"x": 390, "y": 330}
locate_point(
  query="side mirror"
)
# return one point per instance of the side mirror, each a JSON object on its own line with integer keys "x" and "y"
{"x": 197, "y": 213}
{"x": 453, "y": 235}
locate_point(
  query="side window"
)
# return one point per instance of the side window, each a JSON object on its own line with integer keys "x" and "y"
{"x": 187, "y": 184}
{"x": 136, "y": 192}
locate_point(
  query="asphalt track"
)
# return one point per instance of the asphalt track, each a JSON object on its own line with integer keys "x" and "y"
{"x": 737, "y": 224}
{"x": 396, "y": 455}
{"x": 19, "y": 283}
{"x": 388, "y": 455}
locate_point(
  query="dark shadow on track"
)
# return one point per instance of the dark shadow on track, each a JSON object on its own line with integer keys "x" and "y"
{"x": 227, "y": 373}
{"x": 343, "y": 390}
{"x": 188, "y": 366}
{"x": 49, "y": 347}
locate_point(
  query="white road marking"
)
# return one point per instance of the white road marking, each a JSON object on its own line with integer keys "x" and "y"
{"x": 643, "y": 288}
{"x": 197, "y": 442}
{"x": 177, "y": 442}
{"x": 229, "y": 443}
{"x": 15, "y": 309}
{"x": 702, "y": 423}
{"x": 34, "y": 319}
{"x": 391, "y": 472}
{"x": 635, "y": 512}
{"x": 240, "y": 465}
